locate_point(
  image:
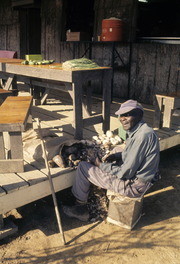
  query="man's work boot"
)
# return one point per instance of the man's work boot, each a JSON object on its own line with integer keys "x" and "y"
{"x": 78, "y": 211}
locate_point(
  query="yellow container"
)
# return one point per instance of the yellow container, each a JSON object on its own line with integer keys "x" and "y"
{"x": 33, "y": 57}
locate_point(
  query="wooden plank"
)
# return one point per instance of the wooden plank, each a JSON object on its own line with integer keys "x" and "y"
{"x": 14, "y": 114}
{"x": 9, "y": 83}
{"x": 162, "y": 133}
{"x": 2, "y": 192}
{"x": 1, "y": 222}
{"x": 32, "y": 175}
{"x": 44, "y": 97}
{"x": 106, "y": 100}
{"x": 51, "y": 72}
{"x": 168, "y": 108}
{"x": 12, "y": 182}
{"x": 88, "y": 92}
{"x": 4, "y": 92}
{"x": 85, "y": 111}
{"x": 2, "y": 149}
{"x": 16, "y": 145}
{"x": 169, "y": 142}
{"x": 164, "y": 108}
{"x": 15, "y": 165}
{"x": 49, "y": 85}
{"x": 77, "y": 109}
{"x": 41, "y": 169}
{"x": 87, "y": 122}
{"x": 158, "y": 111}
{"x": 8, "y": 230}
{"x": 35, "y": 192}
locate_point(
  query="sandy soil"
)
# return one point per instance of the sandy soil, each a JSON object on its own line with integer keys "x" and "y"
{"x": 155, "y": 239}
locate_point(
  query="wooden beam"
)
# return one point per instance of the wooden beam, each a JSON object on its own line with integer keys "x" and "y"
{"x": 32, "y": 193}
{"x": 9, "y": 82}
{"x": 14, "y": 165}
{"x": 169, "y": 142}
{"x": 92, "y": 120}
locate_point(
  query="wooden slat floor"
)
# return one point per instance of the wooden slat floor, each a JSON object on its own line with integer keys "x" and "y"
{"x": 18, "y": 189}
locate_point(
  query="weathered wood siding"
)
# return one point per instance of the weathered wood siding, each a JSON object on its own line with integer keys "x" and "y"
{"x": 115, "y": 55}
{"x": 154, "y": 69}
{"x": 139, "y": 69}
{"x": 9, "y": 27}
{"x": 52, "y": 25}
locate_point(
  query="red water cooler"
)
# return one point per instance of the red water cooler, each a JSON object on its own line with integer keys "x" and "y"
{"x": 112, "y": 29}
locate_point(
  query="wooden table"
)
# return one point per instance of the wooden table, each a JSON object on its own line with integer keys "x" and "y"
{"x": 73, "y": 80}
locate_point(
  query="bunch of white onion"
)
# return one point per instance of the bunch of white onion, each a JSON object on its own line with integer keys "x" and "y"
{"x": 107, "y": 140}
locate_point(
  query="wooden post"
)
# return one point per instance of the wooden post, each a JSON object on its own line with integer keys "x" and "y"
{"x": 2, "y": 149}
{"x": 14, "y": 114}
{"x": 88, "y": 93}
{"x": 77, "y": 109}
{"x": 164, "y": 107}
{"x": 9, "y": 82}
{"x": 1, "y": 222}
{"x": 168, "y": 108}
{"x": 16, "y": 145}
{"x": 106, "y": 99}
{"x": 158, "y": 111}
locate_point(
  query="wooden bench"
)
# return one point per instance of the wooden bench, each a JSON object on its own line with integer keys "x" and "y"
{"x": 164, "y": 107}
{"x": 14, "y": 113}
{"x": 4, "y": 94}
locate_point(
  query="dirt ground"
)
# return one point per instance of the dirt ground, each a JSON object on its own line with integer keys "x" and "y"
{"x": 155, "y": 239}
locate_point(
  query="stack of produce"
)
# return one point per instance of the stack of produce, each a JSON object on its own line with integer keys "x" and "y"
{"x": 37, "y": 62}
{"x": 86, "y": 150}
{"x": 82, "y": 63}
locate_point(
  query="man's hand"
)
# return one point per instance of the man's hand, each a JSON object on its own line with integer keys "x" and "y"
{"x": 97, "y": 162}
{"x": 110, "y": 158}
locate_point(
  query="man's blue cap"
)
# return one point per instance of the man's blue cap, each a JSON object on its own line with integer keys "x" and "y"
{"x": 129, "y": 106}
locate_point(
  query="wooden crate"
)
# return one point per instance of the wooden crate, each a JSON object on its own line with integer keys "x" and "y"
{"x": 76, "y": 36}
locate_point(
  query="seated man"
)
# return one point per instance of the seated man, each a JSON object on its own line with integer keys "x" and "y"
{"x": 137, "y": 171}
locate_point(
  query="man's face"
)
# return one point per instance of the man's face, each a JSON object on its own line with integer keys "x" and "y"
{"x": 130, "y": 119}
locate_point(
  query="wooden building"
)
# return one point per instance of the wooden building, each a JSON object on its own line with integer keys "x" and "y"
{"x": 141, "y": 66}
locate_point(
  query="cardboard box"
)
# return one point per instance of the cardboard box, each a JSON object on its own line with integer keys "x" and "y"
{"x": 124, "y": 211}
{"x": 77, "y": 36}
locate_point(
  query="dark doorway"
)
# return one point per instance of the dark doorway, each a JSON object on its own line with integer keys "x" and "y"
{"x": 158, "y": 18}
{"x": 80, "y": 16}
{"x": 30, "y": 31}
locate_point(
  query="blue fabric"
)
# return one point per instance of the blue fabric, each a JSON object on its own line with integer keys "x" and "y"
{"x": 140, "y": 156}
